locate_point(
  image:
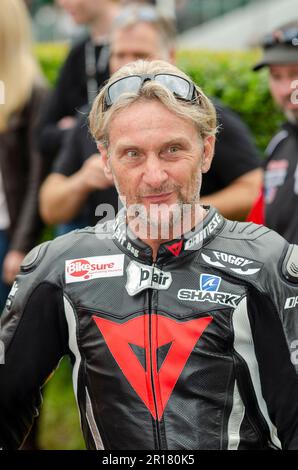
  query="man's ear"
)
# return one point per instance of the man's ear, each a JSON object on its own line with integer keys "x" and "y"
{"x": 208, "y": 153}
{"x": 106, "y": 161}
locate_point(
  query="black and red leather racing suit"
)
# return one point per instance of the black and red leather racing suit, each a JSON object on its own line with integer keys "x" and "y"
{"x": 194, "y": 351}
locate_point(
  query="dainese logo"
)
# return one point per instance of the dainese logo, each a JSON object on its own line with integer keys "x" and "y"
{"x": 83, "y": 268}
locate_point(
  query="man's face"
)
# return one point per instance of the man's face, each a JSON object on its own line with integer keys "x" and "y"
{"x": 140, "y": 41}
{"x": 156, "y": 157}
{"x": 284, "y": 89}
{"x": 83, "y": 11}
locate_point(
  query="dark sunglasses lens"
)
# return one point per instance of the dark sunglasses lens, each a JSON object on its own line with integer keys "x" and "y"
{"x": 176, "y": 85}
{"x": 126, "y": 85}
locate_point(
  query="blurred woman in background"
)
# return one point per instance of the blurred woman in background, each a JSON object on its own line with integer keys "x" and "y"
{"x": 22, "y": 94}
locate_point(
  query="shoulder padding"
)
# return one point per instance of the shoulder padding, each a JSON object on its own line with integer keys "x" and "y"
{"x": 244, "y": 230}
{"x": 262, "y": 249}
{"x": 290, "y": 264}
{"x": 34, "y": 257}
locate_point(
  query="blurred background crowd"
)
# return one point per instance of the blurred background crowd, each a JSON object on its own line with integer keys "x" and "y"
{"x": 56, "y": 54}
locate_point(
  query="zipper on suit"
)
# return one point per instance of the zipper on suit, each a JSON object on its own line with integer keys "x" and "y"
{"x": 151, "y": 293}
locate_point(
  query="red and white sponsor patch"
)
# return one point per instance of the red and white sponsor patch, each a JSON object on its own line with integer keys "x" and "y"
{"x": 85, "y": 269}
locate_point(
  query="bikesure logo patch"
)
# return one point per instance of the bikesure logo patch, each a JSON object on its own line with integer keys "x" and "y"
{"x": 85, "y": 269}
{"x": 209, "y": 292}
{"x": 140, "y": 277}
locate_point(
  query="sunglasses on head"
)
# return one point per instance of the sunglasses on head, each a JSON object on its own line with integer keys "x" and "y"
{"x": 289, "y": 36}
{"x": 180, "y": 87}
{"x": 144, "y": 13}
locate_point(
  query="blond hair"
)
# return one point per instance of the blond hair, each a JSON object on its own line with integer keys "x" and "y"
{"x": 200, "y": 111}
{"x": 18, "y": 68}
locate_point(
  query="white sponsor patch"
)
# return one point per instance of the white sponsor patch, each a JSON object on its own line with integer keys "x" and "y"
{"x": 291, "y": 302}
{"x": 140, "y": 277}
{"x": 227, "y": 260}
{"x": 85, "y": 269}
{"x": 222, "y": 298}
{"x": 11, "y": 295}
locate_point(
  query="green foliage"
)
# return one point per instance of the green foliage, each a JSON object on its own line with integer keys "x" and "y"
{"x": 229, "y": 77}
{"x": 59, "y": 426}
{"x": 50, "y": 58}
{"x": 225, "y": 75}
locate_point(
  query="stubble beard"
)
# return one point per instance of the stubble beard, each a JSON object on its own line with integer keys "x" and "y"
{"x": 163, "y": 221}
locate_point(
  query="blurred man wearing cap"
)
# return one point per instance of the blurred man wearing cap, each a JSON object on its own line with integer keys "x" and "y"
{"x": 279, "y": 209}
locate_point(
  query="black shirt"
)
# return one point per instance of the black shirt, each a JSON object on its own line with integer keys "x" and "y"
{"x": 79, "y": 145}
{"x": 70, "y": 93}
{"x": 281, "y": 183}
{"x": 235, "y": 152}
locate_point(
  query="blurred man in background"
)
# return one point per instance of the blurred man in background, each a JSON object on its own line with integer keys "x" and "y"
{"x": 84, "y": 71}
{"x": 77, "y": 184}
{"x": 278, "y": 206}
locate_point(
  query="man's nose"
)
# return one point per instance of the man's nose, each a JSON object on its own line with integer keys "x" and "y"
{"x": 154, "y": 172}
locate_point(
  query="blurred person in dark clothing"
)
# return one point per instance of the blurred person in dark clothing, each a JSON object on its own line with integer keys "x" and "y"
{"x": 21, "y": 167}
{"x": 84, "y": 71}
{"x": 277, "y": 206}
{"x": 233, "y": 182}
{"x": 77, "y": 184}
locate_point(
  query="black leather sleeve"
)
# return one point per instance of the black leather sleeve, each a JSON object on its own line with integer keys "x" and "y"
{"x": 34, "y": 337}
{"x": 279, "y": 381}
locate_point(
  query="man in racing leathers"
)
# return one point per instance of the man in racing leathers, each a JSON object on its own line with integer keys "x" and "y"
{"x": 179, "y": 340}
